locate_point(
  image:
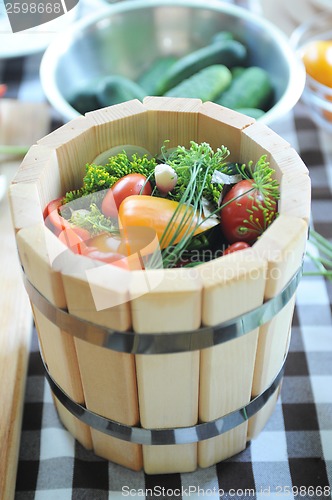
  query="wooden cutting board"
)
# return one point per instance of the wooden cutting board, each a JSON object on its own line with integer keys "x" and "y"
{"x": 21, "y": 123}
{"x": 15, "y": 335}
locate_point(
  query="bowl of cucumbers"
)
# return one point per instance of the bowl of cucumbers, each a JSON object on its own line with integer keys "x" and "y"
{"x": 208, "y": 50}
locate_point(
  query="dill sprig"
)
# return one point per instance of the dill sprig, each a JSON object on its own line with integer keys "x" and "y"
{"x": 264, "y": 210}
{"x": 198, "y": 164}
{"x": 262, "y": 175}
{"x": 183, "y": 160}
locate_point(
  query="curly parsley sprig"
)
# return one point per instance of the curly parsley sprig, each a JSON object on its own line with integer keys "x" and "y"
{"x": 93, "y": 221}
{"x": 101, "y": 177}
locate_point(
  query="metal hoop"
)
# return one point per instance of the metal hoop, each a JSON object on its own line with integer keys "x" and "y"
{"x": 183, "y": 435}
{"x": 163, "y": 343}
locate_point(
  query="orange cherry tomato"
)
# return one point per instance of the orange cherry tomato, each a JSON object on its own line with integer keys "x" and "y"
{"x": 235, "y": 247}
{"x": 131, "y": 184}
{"x": 317, "y": 59}
{"x": 106, "y": 242}
{"x": 114, "y": 258}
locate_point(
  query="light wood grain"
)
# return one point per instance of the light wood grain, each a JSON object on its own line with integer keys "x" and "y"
{"x": 283, "y": 246}
{"x": 258, "y": 140}
{"x": 232, "y": 285}
{"x": 15, "y": 334}
{"x": 74, "y": 145}
{"x": 121, "y": 124}
{"x": 219, "y": 126}
{"x": 167, "y": 383}
{"x": 295, "y": 196}
{"x": 38, "y": 248}
{"x": 108, "y": 377}
{"x": 171, "y": 119}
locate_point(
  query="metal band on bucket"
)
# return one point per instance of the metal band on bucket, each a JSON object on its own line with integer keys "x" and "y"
{"x": 183, "y": 435}
{"x": 163, "y": 343}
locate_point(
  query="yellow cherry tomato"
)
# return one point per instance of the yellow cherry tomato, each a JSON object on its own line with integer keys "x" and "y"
{"x": 317, "y": 59}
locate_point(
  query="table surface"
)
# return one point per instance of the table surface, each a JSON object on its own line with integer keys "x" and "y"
{"x": 291, "y": 458}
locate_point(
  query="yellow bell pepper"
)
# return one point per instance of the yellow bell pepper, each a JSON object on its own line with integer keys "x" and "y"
{"x": 156, "y": 213}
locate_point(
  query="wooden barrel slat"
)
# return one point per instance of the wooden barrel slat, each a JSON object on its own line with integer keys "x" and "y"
{"x": 232, "y": 285}
{"x": 283, "y": 246}
{"x": 219, "y": 126}
{"x": 37, "y": 248}
{"x": 167, "y": 383}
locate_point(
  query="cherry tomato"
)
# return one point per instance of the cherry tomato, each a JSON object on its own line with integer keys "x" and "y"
{"x": 106, "y": 242}
{"x": 131, "y": 184}
{"x": 72, "y": 241}
{"x": 317, "y": 59}
{"x": 116, "y": 259}
{"x": 245, "y": 218}
{"x": 52, "y": 217}
{"x": 56, "y": 223}
{"x": 235, "y": 247}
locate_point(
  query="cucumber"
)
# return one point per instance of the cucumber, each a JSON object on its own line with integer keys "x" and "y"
{"x": 115, "y": 89}
{"x": 226, "y": 52}
{"x": 252, "y": 112}
{"x": 222, "y": 35}
{"x": 251, "y": 89}
{"x": 84, "y": 100}
{"x": 150, "y": 78}
{"x": 237, "y": 71}
{"x": 205, "y": 84}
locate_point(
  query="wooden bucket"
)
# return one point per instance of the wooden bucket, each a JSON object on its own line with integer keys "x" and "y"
{"x": 185, "y": 367}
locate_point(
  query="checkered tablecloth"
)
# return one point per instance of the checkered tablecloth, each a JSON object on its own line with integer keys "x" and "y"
{"x": 291, "y": 458}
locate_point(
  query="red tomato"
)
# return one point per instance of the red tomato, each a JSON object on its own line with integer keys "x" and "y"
{"x": 131, "y": 184}
{"x": 56, "y": 223}
{"x": 52, "y": 216}
{"x": 72, "y": 241}
{"x": 245, "y": 218}
{"x": 235, "y": 247}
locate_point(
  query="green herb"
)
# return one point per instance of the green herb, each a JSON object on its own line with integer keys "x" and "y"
{"x": 93, "y": 221}
{"x": 195, "y": 167}
{"x": 185, "y": 160}
{"x": 262, "y": 174}
{"x": 323, "y": 262}
{"x": 99, "y": 177}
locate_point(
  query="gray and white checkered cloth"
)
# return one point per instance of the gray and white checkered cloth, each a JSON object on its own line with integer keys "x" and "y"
{"x": 290, "y": 459}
